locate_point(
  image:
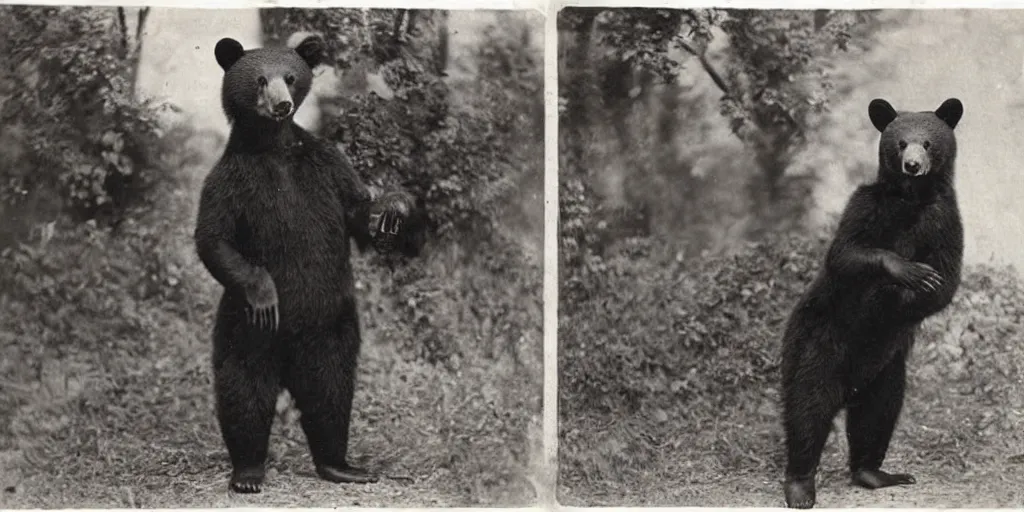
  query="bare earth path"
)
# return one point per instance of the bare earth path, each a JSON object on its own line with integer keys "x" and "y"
{"x": 208, "y": 488}
{"x": 992, "y": 490}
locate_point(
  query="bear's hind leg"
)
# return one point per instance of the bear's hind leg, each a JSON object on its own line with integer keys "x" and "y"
{"x": 809, "y": 407}
{"x": 246, "y": 390}
{"x": 870, "y": 421}
{"x": 322, "y": 382}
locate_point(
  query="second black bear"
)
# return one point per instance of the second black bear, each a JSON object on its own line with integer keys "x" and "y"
{"x": 275, "y": 216}
{"x": 895, "y": 260}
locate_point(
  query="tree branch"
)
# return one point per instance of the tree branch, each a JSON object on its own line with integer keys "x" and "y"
{"x": 124, "y": 30}
{"x": 143, "y": 14}
{"x": 708, "y": 67}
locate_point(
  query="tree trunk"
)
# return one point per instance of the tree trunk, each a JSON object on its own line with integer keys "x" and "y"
{"x": 579, "y": 90}
{"x": 442, "y": 44}
{"x": 131, "y": 42}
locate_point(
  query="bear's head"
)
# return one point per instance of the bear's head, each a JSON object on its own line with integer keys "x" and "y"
{"x": 916, "y": 144}
{"x": 267, "y": 83}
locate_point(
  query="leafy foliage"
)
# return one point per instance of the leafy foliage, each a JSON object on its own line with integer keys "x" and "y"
{"x": 69, "y": 107}
{"x": 772, "y": 70}
{"x": 777, "y": 61}
{"x": 779, "y": 76}
{"x": 662, "y": 331}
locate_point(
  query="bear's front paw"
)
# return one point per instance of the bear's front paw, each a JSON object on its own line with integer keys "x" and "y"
{"x": 387, "y": 215}
{"x": 919, "y": 277}
{"x": 262, "y": 298}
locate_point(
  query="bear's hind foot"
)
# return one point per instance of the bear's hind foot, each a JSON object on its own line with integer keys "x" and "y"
{"x": 800, "y": 493}
{"x": 346, "y": 474}
{"x": 247, "y": 481}
{"x": 877, "y": 479}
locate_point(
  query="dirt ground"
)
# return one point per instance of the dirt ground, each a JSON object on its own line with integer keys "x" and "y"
{"x": 207, "y": 487}
{"x": 725, "y": 464}
{"x": 998, "y": 488}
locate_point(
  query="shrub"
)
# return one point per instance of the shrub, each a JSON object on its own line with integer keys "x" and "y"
{"x": 76, "y": 138}
{"x": 702, "y": 333}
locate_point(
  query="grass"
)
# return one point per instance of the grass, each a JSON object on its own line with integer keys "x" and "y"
{"x": 149, "y": 439}
{"x": 960, "y": 452}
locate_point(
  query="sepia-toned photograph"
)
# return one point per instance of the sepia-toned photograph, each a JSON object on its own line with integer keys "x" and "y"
{"x": 789, "y": 244}
{"x": 270, "y": 257}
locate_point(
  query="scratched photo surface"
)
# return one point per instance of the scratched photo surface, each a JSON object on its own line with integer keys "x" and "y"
{"x": 207, "y": 217}
{"x": 788, "y": 251}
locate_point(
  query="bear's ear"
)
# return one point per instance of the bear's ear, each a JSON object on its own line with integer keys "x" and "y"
{"x": 313, "y": 50}
{"x": 950, "y": 112}
{"x": 228, "y": 51}
{"x": 881, "y": 113}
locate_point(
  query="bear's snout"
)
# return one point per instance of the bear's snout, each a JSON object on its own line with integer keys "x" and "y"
{"x": 283, "y": 108}
{"x": 915, "y": 160}
{"x": 275, "y": 100}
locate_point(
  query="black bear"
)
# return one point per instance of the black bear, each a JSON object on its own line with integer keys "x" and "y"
{"x": 273, "y": 226}
{"x": 895, "y": 260}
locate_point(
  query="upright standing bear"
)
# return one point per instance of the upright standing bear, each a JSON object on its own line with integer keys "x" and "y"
{"x": 273, "y": 228}
{"x": 895, "y": 260}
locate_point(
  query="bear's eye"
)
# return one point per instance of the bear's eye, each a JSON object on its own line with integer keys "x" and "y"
{"x": 290, "y": 79}
{"x": 262, "y": 81}
{"x": 903, "y": 144}
{"x": 927, "y": 144}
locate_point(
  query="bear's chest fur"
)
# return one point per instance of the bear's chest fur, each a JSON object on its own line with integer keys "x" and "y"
{"x": 907, "y": 225}
{"x": 292, "y": 211}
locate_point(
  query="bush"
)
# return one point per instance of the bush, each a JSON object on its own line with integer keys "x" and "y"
{"x": 704, "y": 333}
{"x": 68, "y": 108}
{"x": 76, "y": 294}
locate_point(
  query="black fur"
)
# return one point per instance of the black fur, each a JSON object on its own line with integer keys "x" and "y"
{"x": 895, "y": 260}
{"x": 273, "y": 228}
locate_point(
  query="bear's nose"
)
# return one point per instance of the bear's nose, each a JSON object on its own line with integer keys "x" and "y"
{"x": 912, "y": 167}
{"x": 283, "y": 108}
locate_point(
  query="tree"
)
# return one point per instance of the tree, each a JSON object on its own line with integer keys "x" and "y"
{"x": 772, "y": 68}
